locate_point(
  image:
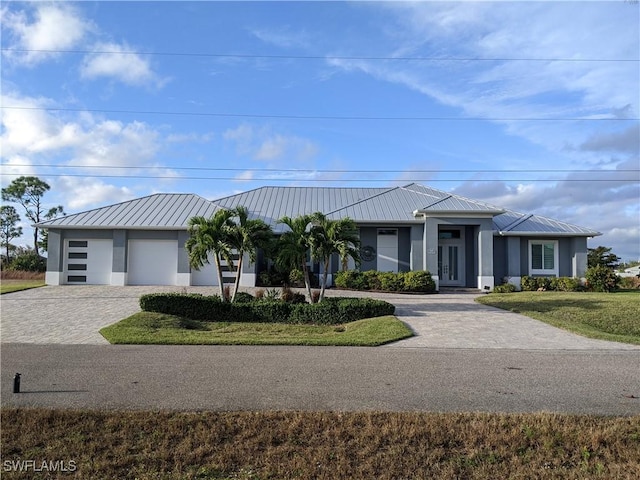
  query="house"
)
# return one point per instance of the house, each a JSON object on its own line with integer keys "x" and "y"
{"x": 462, "y": 242}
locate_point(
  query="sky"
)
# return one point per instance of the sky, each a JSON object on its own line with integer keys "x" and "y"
{"x": 531, "y": 106}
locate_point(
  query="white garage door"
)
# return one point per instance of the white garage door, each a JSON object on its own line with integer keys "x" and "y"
{"x": 88, "y": 262}
{"x": 153, "y": 262}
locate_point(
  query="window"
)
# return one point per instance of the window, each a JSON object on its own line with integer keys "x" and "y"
{"x": 448, "y": 234}
{"x": 78, "y": 243}
{"x": 77, "y": 278}
{"x": 77, "y": 266}
{"x": 543, "y": 257}
{"x": 74, "y": 255}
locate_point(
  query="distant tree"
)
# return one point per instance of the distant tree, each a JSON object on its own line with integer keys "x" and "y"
{"x": 9, "y": 218}
{"x": 50, "y": 215}
{"x": 28, "y": 192}
{"x": 602, "y": 256}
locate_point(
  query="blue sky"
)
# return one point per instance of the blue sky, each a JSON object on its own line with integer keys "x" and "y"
{"x": 532, "y": 106}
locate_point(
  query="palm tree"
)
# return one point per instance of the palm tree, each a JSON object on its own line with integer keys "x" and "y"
{"x": 330, "y": 237}
{"x": 247, "y": 236}
{"x": 293, "y": 246}
{"x": 210, "y": 236}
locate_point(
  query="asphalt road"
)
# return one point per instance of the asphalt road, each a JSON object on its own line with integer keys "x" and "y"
{"x": 321, "y": 378}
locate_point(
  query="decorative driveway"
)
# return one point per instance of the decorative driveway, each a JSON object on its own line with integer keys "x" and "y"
{"x": 75, "y": 314}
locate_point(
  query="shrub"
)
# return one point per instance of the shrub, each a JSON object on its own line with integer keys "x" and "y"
{"x": 29, "y": 262}
{"x": 371, "y": 280}
{"x": 602, "y": 279}
{"x": 290, "y": 296}
{"x": 392, "y": 282}
{"x": 504, "y": 288}
{"x": 244, "y": 297}
{"x": 419, "y": 281}
{"x": 296, "y": 278}
{"x": 630, "y": 283}
{"x": 330, "y": 311}
{"x": 528, "y": 284}
{"x": 565, "y": 284}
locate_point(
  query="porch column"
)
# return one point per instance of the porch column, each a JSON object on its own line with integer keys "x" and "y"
{"x": 485, "y": 255}
{"x": 514, "y": 275}
{"x": 55, "y": 258}
{"x": 431, "y": 248}
{"x": 119, "y": 263}
{"x": 579, "y": 260}
{"x": 184, "y": 269}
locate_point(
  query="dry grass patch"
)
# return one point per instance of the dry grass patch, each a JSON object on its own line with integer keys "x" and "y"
{"x": 322, "y": 445}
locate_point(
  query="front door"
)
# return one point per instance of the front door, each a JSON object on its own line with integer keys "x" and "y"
{"x": 451, "y": 258}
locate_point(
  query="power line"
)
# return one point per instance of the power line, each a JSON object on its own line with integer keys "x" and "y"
{"x": 318, "y": 117}
{"x": 335, "y": 180}
{"x": 316, "y": 170}
{"x": 321, "y": 57}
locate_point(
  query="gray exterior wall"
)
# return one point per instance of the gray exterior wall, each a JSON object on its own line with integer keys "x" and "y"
{"x": 369, "y": 236}
{"x": 404, "y": 249}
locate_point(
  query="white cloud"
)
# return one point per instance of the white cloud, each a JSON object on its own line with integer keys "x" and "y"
{"x": 78, "y": 193}
{"x": 263, "y": 145}
{"x": 283, "y": 37}
{"x": 85, "y": 140}
{"x": 50, "y": 26}
{"x": 118, "y": 62}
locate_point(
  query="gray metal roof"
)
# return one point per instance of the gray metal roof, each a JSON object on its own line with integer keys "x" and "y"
{"x": 364, "y": 205}
{"x": 520, "y": 224}
{"x": 160, "y": 211}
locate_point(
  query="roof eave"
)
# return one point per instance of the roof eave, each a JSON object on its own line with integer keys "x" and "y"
{"x": 548, "y": 234}
{"x": 458, "y": 213}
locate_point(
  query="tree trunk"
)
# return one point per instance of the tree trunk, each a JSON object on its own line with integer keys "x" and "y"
{"x": 216, "y": 257}
{"x": 307, "y": 282}
{"x": 35, "y": 241}
{"x": 324, "y": 279}
{"x": 238, "y": 273}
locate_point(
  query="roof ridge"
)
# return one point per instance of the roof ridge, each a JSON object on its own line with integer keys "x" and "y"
{"x": 362, "y": 200}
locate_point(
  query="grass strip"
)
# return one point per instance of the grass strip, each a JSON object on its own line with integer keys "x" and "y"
{"x": 8, "y": 286}
{"x": 320, "y": 445}
{"x": 605, "y": 316}
{"x": 164, "y": 329}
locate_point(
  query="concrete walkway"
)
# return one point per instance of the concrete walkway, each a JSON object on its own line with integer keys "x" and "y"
{"x": 75, "y": 314}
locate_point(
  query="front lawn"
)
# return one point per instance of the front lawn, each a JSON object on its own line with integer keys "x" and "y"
{"x": 606, "y": 316}
{"x": 159, "y": 328}
{"x": 8, "y": 286}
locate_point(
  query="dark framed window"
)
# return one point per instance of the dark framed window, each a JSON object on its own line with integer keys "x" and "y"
{"x": 78, "y": 243}
{"x": 77, "y": 266}
{"x": 75, "y": 255}
{"x": 448, "y": 234}
{"x": 77, "y": 278}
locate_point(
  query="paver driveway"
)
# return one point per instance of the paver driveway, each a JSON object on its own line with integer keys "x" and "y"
{"x": 75, "y": 314}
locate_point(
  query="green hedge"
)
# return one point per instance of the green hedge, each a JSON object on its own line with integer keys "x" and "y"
{"x": 556, "y": 284}
{"x": 416, "y": 281}
{"x": 331, "y": 311}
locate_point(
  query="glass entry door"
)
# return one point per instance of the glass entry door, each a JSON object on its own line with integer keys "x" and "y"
{"x": 451, "y": 261}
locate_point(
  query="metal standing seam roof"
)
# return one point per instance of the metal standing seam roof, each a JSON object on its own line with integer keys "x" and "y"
{"x": 159, "y": 211}
{"x": 364, "y": 205}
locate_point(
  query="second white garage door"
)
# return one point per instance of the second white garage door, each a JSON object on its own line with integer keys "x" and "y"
{"x": 153, "y": 262}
